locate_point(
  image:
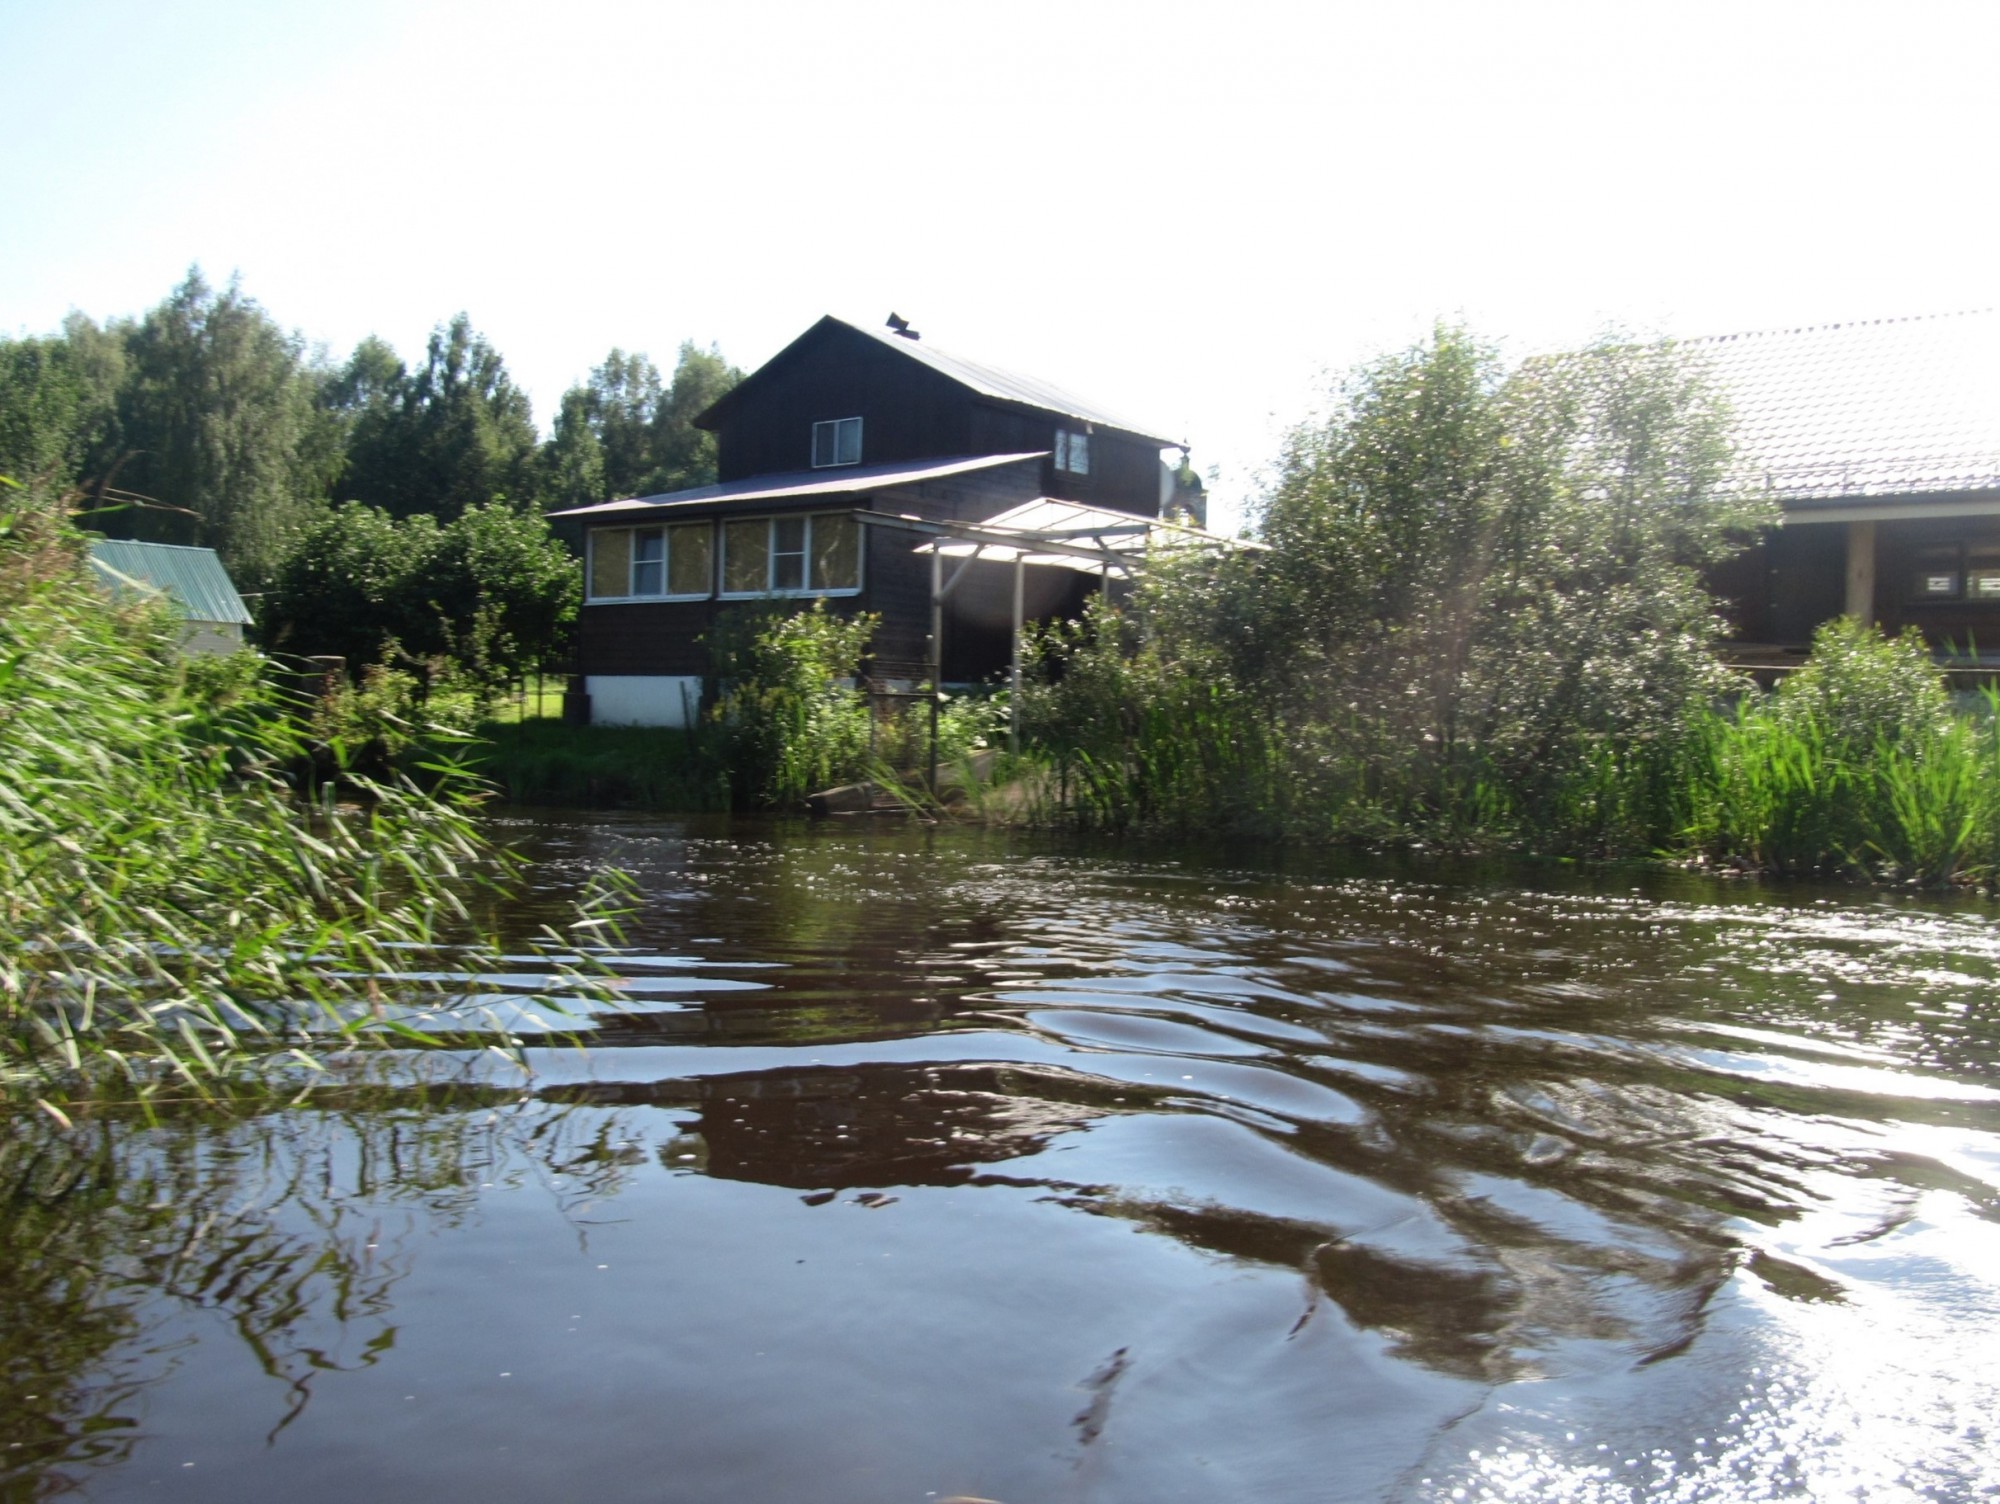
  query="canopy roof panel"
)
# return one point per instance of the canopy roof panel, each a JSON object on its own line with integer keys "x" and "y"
{"x": 1071, "y": 535}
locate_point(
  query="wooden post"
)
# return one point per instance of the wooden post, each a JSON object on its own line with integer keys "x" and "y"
{"x": 1861, "y": 572}
{"x": 1014, "y": 672}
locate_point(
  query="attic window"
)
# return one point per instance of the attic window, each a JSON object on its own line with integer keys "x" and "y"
{"x": 1072, "y": 452}
{"x": 837, "y": 442}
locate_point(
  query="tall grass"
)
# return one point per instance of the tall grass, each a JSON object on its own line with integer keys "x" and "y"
{"x": 599, "y": 767}
{"x": 172, "y": 902}
{"x": 1855, "y": 766}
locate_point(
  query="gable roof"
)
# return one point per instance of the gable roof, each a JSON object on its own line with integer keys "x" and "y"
{"x": 192, "y": 577}
{"x": 1879, "y": 408}
{"x": 800, "y": 484}
{"x": 975, "y": 376}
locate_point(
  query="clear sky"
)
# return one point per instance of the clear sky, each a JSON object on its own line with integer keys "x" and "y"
{"x": 1190, "y": 213}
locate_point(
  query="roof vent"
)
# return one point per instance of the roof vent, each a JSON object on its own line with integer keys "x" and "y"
{"x": 902, "y": 326}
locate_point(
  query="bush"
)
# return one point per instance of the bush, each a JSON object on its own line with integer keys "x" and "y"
{"x": 1856, "y": 763}
{"x": 791, "y": 720}
{"x": 1479, "y": 620}
{"x": 491, "y": 593}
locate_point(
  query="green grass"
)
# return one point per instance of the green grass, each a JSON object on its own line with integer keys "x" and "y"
{"x": 539, "y": 697}
{"x": 601, "y": 767}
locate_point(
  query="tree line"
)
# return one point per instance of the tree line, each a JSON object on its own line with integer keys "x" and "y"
{"x": 355, "y": 501}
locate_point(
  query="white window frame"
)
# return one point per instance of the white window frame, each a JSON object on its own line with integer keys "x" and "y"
{"x": 1072, "y": 451}
{"x": 664, "y": 529}
{"x": 839, "y": 431}
{"x": 807, "y": 592}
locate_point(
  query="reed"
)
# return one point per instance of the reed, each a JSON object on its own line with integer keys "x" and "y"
{"x": 1857, "y": 766}
{"x": 173, "y": 904}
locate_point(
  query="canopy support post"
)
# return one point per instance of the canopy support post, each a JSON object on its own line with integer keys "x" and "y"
{"x": 1014, "y": 671}
{"x": 936, "y": 664}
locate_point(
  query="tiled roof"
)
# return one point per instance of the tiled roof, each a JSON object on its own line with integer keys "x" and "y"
{"x": 803, "y": 484}
{"x": 193, "y": 577}
{"x": 1883, "y": 408}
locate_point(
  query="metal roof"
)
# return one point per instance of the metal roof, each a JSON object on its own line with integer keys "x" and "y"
{"x": 1882, "y": 408}
{"x": 799, "y": 484}
{"x": 192, "y": 577}
{"x": 1006, "y": 386}
{"x": 976, "y": 376}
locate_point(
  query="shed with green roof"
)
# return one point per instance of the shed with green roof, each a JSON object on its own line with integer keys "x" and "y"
{"x": 191, "y": 580}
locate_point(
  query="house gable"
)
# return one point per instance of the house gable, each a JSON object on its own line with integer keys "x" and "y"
{"x": 916, "y": 402}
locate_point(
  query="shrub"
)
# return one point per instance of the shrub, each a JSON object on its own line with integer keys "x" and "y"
{"x": 792, "y": 721}
{"x": 1855, "y": 763}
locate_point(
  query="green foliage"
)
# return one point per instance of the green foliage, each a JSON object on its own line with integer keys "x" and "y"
{"x": 1856, "y": 763}
{"x": 490, "y": 592}
{"x": 792, "y": 725}
{"x": 596, "y": 767}
{"x": 219, "y": 424}
{"x": 369, "y": 723}
{"x": 168, "y": 906}
{"x": 1137, "y": 740}
{"x": 1860, "y": 690}
{"x": 454, "y": 434}
{"x": 345, "y": 586}
{"x": 1479, "y": 615}
{"x": 502, "y": 591}
{"x": 623, "y": 433}
{"x": 57, "y": 404}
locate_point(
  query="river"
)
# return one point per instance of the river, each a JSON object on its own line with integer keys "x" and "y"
{"x": 923, "y": 1163}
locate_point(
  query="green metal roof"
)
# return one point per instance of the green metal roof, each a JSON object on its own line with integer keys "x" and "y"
{"x": 193, "y": 577}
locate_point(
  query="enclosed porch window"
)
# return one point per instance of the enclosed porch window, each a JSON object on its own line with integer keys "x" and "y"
{"x": 667, "y": 562}
{"x": 817, "y": 553}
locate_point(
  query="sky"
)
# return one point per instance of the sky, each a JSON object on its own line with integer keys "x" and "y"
{"x": 1197, "y": 214}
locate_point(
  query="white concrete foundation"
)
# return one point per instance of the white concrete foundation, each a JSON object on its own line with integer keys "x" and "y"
{"x": 643, "y": 699}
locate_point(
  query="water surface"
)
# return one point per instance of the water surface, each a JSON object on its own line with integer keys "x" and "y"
{"x": 924, "y": 1163}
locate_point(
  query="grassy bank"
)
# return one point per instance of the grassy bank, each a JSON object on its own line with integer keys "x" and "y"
{"x": 601, "y": 767}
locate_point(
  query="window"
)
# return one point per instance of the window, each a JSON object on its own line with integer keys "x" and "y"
{"x": 1072, "y": 452}
{"x": 674, "y": 562}
{"x": 837, "y": 442}
{"x": 803, "y": 554}
{"x": 1956, "y": 571}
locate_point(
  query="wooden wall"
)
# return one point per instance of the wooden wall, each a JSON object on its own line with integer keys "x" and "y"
{"x": 662, "y": 637}
{"x": 908, "y": 411}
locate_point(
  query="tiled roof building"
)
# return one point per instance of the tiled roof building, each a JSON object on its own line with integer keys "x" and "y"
{"x": 1880, "y": 441}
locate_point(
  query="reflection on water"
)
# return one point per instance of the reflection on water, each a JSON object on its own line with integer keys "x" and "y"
{"x": 920, "y": 1163}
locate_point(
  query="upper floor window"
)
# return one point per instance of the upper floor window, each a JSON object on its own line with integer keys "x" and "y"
{"x": 837, "y": 442}
{"x": 803, "y": 554}
{"x": 1072, "y": 452}
{"x": 668, "y": 562}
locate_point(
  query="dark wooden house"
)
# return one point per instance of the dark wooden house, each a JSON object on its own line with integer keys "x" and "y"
{"x": 845, "y": 420}
{"x": 1880, "y": 442}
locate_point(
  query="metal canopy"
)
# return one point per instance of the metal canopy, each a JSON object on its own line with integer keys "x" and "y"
{"x": 1069, "y": 535}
